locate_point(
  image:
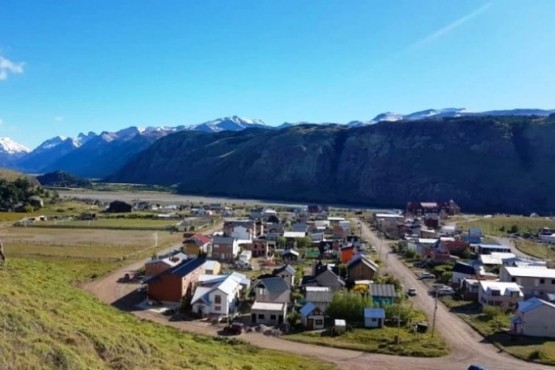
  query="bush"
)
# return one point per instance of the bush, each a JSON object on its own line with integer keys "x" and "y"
{"x": 348, "y": 306}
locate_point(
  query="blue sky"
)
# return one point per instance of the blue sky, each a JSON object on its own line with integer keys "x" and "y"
{"x": 75, "y": 65}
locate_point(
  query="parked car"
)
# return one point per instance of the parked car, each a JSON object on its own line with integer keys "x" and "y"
{"x": 427, "y": 275}
{"x": 442, "y": 290}
{"x": 411, "y": 292}
{"x": 234, "y": 329}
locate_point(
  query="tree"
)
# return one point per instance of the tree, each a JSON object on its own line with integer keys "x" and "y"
{"x": 305, "y": 242}
{"x": 348, "y": 306}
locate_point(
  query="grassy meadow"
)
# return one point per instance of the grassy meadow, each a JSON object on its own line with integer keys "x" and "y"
{"x": 47, "y": 323}
{"x": 379, "y": 341}
{"x": 500, "y": 225}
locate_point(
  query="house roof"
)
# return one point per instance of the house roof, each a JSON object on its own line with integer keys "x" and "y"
{"x": 464, "y": 268}
{"x": 339, "y": 322}
{"x": 532, "y": 304}
{"x": 226, "y": 285}
{"x": 187, "y": 267}
{"x": 496, "y": 258}
{"x": 307, "y": 309}
{"x": 375, "y": 313}
{"x": 290, "y": 251}
{"x": 327, "y": 276}
{"x": 359, "y": 258}
{"x": 201, "y": 294}
{"x": 218, "y": 239}
{"x": 274, "y": 284}
{"x": 287, "y": 267}
{"x": 266, "y": 306}
{"x": 505, "y": 288}
{"x": 181, "y": 270}
{"x": 531, "y": 271}
{"x": 318, "y": 294}
{"x": 382, "y": 290}
{"x": 199, "y": 239}
{"x": 211, "y": 265}
{"x": 294, "y": 234}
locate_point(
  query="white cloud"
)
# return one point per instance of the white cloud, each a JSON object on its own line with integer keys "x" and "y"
{"x": 7, "y": 67}
{"x": 59, "y": 118}
{"x": 449, "y": 28}
{"x": 1, "y": 122}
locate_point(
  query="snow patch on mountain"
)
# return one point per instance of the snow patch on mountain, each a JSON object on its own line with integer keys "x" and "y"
{"x": 9, "y": 146}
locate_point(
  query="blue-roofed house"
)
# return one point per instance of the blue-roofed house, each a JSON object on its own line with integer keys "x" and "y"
{"x": 173, "y": 284}
{"x": 312, "y": 317}
{"x": 534, "y": 317}
{"x": 374, "y": 317}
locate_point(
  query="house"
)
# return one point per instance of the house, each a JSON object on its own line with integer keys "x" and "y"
{"x": 483, "y": 248}
{"x": 374, "y": 317}
{"x": 245, "y": 230}
{"x": 301, "y": 227}
{"x": 158, "y": 265}
{"x": 312, "y": 317}
{"x": 495, "y": 258}
{"x": 173, "y": 284}
{"x": 324, "y": 276}
{"x": 462, "y": 271}
{"x": 382, "y": 294}
{"x": 224, "y": 248}
{"x": 272, "y": 289}
{"x": 290, "y": 255}
{"x": 258, "y": 247}
{"x": 320, "y": 296}
{"x": 347, "y": 253}
{"x": 361, "y": 268}
{"x": 287, "y": 273}
{"x": 194, "y": 245}
{"x": 217, "y": 297}
{"x": 268, "y": 313}
{"x": 534, "y": 317}
{"x": 498, "y": 293}
{"x": 469, "y": 289}
{"x": 212, "y": 267}
{"x": 536, "y": 281}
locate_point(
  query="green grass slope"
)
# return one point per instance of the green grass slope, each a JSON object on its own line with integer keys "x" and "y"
{"x": 47, "y": 323}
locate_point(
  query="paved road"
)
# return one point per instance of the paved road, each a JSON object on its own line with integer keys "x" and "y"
{"x": 467, "y": 346}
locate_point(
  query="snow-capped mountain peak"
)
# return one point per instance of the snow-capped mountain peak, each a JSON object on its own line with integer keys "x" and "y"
{"x": 233, "y": 123}
{"x": 9, "y": 146}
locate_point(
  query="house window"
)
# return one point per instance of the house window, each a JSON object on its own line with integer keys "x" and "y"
{"x": 542, "y": 281}
{"x": 218, "y": 299}
{"x": 553, "y": 281}
{"x": 495, "y": 293}
{"x": 272, "y": 317}
{"x": 261, "y": 316}
{"x": 319, "y": 322}
{"x": 513, "y": 279}
{"x": 217, "y": 308}
{"x": 374, "y": 319}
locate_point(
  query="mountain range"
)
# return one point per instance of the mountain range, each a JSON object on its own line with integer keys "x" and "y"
{"x": 244, "y": 157}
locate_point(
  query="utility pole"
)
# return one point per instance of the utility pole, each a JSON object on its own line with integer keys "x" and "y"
{"x": 435, "y": 313}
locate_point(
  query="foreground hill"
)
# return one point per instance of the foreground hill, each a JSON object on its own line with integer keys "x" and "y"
{"x": 49, "y": 324}
{"x": 484, "y": 163}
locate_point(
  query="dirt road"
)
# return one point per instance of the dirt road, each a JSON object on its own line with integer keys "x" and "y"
{"x": 467, "y": 347}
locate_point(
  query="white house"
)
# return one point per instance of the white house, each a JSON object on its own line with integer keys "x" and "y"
{"x": 217, "y": 297}
{"x": 498, "y": 293}
{"x": 536, "y": 281}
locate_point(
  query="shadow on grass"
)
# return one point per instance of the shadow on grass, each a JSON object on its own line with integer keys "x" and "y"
{"x": 469, "y": 308}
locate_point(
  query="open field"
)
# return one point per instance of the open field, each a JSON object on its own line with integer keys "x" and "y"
{"x": 111, "y": 223}
{"x": 500, "y": 225}
{"x": 47, "y": 323}
{"x": 379, "y": 341}
{"x": 538, "y": 250}
{"x": 82, "y": 243}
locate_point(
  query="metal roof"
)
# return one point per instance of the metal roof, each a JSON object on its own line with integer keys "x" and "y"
{"x": 377, "y": 313}
{"x": 266, "y": 306}
{"x": 290, "y": 269}
{"x": 382, "y": 290}
{"x": 274, "y": 284}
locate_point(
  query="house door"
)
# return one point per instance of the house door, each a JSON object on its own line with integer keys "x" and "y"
{"x": 280, "y": 319}
{"x": 253, "y": 318}
{"x": 310, "y": 324}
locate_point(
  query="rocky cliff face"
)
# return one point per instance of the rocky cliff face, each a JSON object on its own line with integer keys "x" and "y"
{"x": 484, "y": 163}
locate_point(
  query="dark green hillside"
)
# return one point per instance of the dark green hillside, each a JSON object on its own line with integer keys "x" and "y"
{"x": 484, "y": 163}
{"x": 62, "y": 179}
